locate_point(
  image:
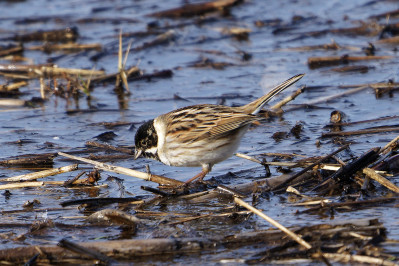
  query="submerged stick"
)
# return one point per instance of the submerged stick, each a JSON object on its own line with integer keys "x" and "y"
{"x": 41, "y": 174}
{"x": 85, "y": 251}
{"x": 190, "y": 10}
{"x": 361, "y": 131}
{"x": 126, "y": 171}
{"x": 294, "y": 236}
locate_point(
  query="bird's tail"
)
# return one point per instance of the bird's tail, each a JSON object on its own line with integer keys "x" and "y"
{"x": 257, "y": 105}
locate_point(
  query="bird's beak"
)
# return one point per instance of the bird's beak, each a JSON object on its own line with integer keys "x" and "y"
{"x": 137, "y": 153}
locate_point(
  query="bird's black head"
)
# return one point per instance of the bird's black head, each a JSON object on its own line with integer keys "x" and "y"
{"x": 146, "y": 141}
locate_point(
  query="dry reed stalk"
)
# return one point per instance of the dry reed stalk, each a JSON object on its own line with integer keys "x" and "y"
{"x": 22, "y": 185}
{"x": 291, "y": 234}
{"x": 41, "y": 174}
{"x": 392, "y": 40}
{"x": 361, "y": 131}
{"x": 380, "y": 179}
{"x": 328, "y": 98}
{"x": 288, "y": 99}
{"x": 122, "y": 73}
{"x": 348, "y": 258}
{"x": 315, "y": 62}
{"x": 331, "y": 167}
{"x": 12, "y": 102}
{"x": 126, "y": 171}
{"x": 13, "y": 86}
{"x": 387, "y": 148}
{"x": 66, "y": 46}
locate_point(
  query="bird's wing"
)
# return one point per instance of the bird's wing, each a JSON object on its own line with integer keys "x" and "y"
{"x": 199, "y": 122}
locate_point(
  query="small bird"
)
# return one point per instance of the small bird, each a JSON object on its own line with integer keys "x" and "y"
{"x": 200, "y": 135}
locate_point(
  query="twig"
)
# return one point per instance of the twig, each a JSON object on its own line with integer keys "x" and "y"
{"x": 71, "y": 181}
{"x": 156, "y": 191}
{"x": 294, "y": 236}
{"x": 126, "y": 171}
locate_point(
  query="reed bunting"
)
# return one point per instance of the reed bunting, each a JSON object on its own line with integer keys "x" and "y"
{"x": 200, "y": 135}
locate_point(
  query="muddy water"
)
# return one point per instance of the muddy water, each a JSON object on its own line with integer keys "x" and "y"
{"x": 48, "y": 127}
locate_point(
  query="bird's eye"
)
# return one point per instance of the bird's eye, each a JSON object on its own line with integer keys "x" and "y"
{"x": 143, "y": 142}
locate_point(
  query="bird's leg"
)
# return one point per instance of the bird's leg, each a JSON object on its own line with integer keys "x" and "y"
{"x": 205, "y": 170}
{"x": 200, "y": 177}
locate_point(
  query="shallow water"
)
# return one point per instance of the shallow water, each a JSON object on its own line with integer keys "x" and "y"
{"x": 238, "y": 84}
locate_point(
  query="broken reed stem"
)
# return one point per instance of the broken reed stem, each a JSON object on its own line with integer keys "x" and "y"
{"x": 389, "y": 146}
{"x": 359, "y": 259}
{"x": 41, "y": 174}
{"x": 13, "y": 86}
{"x": 294, "y": 236}
{"x": 66, "y": 46}
{"x": 247, "y": 157}
{"x": 48, "y": 70}
{"x": 380, "y": 179}
{"x": 338, "y": 95}
{"x": 327, "y": 98}
{"x": 316, "y": 62}
{"x": 126, "y": 171}
{"x": 22, "y": 185}
{"x": 288, "y": 99}
{"x": 44, "y": 183}
{"x": 331, "y": 167}
{"x": 361, "y": 131}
